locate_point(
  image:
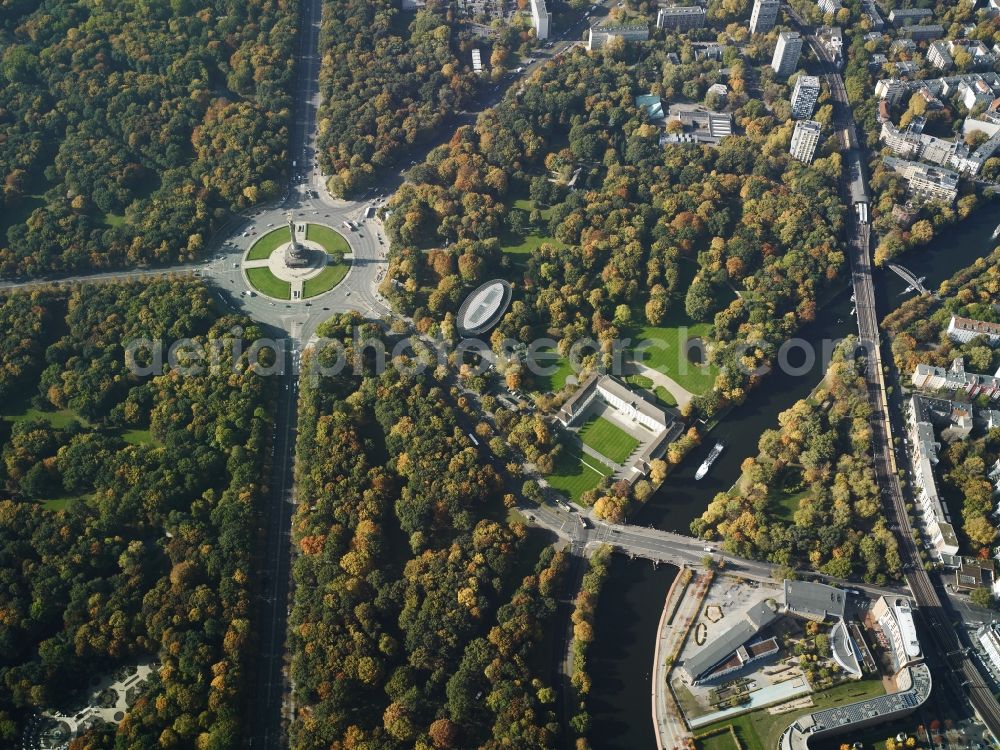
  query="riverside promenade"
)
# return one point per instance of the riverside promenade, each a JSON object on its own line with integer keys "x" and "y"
{"x": 680, "y": 610}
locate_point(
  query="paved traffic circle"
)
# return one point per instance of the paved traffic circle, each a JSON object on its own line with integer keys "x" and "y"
{"x": 297, "y": 262}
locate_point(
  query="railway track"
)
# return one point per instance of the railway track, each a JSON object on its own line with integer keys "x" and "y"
{"x": 962, "y": 674}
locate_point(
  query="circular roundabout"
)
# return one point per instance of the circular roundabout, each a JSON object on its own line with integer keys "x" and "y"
{"x": 297, "y": 262}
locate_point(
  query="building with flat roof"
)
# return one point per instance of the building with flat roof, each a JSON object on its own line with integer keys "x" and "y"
{"x": 939, "y": 56}
{"x": 989, "y": 638}
{"x": 804, "y": 97}
{"x": 764, "y": 16}
{"x": 814, "y": 601}
{"x": 924, "y": 448}
{"x": 745, "y": 655}
{"x": 541, "y": 19}
{"x": 805, "y": 139}
{"x": 975, "y": 573}
{"x": 921, "y": 33}
{"x": 681, "y": 17}
{"x": 845, "y": 651}
{"x": 786, "y": 53}
{"x": 894, "y": 616}
{"x": 601, "y": 34}
{"x": 870, "y": 8}
{"x": 906, "y": 16}
{"x": 700, "y": 124}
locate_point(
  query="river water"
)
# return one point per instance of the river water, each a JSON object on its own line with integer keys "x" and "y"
{"x": 632, "y": 600}
{"x": 681, "y": 499}
{"x": 621, "y": 656}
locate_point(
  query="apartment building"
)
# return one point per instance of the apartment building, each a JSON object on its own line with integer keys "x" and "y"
{"x": 541, "y": 19}
{"x": 600, "y": 35}
{"x": 681, "y": 18}
{"x": 804, "y": 97}
{"x": 805, "y": 140}
{"x": 926, "y": 182}
{"x": 955, "y": 378}
{"x": 786, "y": 53}
{"x": 922, "y": 33}
{"x": 906, "y": 16}
{"x": 913, "y": 143}
{"x": 764, "y": 16}
{"x": 924, "y": 457}
{"x": 963, "y": 330}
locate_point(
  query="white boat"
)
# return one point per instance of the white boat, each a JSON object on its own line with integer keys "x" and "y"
{"x": 996, "y": 232}
{"x": 707, "y": 463}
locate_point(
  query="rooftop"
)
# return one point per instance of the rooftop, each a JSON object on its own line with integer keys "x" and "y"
{"x": 754, "y": 620}
{"x": 484, "y": 306}
{"x": 816, "y": 599}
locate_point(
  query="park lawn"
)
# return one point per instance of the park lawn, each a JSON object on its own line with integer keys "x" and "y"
{"x": 786, "y": 503}
{"x": 267, "y": 283}
{"x": 668, "y": 351}
{"x": 721, "y": 741}
{"x": 325, "y": 280}
{"x": 785, "y": 493}
{"x": 331, "y": 240}
{"x": 640, "y": 381}
{"x": 551, "y": 382}
{"x": 759, "y": 730}
{"x": 268, "y": 243}
{"x": 113, "y": 220}
{"x": 62, "y": 503}
{"x": 138, "y": 437}
{"x": 522, "y": 246}
{"x": 59, "y": 420}
{"x": 608, "y": 439}
{"x": 665, "y": 397}
{"x": 572, "y": 476}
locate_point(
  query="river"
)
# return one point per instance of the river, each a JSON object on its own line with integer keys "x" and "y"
{"x": 632, "y": 600}
{"x": 621, "y": 656}
{"x": 682, "y": 498}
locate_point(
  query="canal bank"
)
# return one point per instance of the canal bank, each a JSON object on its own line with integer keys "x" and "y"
{"x": 682, "y": 498}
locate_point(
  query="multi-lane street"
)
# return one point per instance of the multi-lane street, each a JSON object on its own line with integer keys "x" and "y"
{"x": 964, "y": 674}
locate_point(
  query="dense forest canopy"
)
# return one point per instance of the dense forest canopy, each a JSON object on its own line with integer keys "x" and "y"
{"x": 128, "y": 129}
{"x": 418, "y": 606}
{"x": 810, "y": 497}
{"x": 389, "y": 79}
{"x": 127, "y": 512}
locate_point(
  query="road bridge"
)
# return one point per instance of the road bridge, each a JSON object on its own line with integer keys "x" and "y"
{"x": 661, "y": 546}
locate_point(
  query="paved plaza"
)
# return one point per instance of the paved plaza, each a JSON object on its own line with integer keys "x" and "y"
{"x": 106, "y": 702}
